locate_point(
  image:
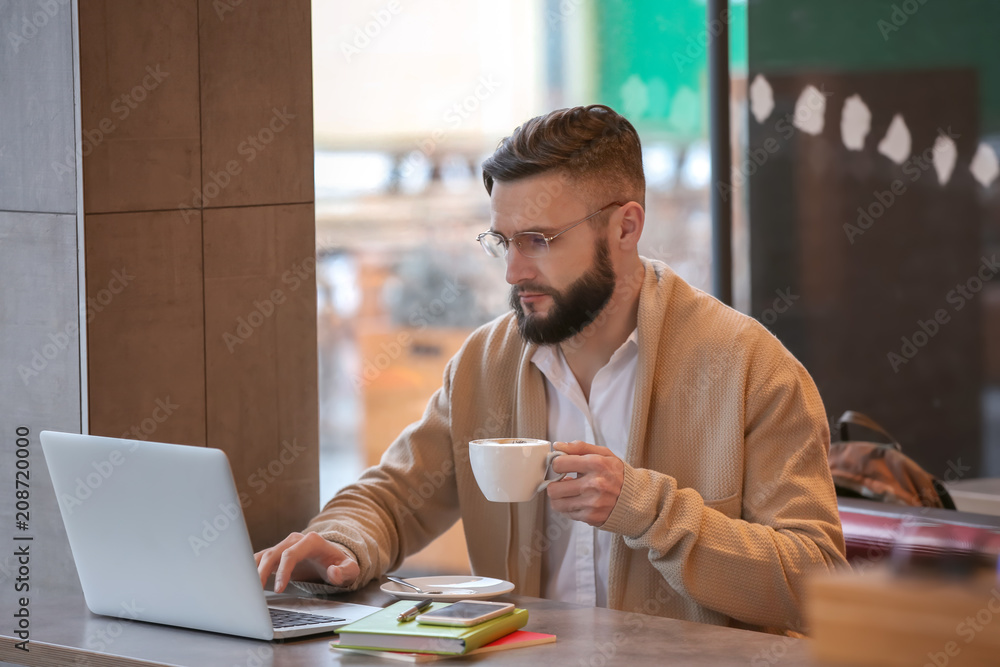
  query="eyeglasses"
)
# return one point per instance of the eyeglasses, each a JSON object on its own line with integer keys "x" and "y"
{"x": 530, "y": 244}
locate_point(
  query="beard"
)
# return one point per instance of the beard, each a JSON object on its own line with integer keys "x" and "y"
{"x": 572, "y": 309}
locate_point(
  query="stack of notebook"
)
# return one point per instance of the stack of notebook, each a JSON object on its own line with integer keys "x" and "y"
{"x": 416, "y": 642}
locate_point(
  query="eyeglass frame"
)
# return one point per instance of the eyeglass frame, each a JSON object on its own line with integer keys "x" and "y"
{"x": 548, "y": 239}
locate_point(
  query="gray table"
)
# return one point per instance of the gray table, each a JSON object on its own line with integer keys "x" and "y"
{"x": 64, "y": 632}
{"x": 976, "y": 495}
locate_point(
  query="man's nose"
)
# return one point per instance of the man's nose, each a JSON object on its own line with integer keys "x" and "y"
{"x": 519, "y": 267}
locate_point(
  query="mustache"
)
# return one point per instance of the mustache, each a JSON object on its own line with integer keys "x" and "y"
{"x": 529, "y": 288}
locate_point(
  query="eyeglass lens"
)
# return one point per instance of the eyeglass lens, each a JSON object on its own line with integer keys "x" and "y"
{"x": 530, "y": 244}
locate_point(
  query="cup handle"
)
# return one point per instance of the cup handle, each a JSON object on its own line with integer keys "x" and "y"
{"x": 548, "y": 466}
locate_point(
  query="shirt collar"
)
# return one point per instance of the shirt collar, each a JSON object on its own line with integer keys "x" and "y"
{"x": 548, "y": 358}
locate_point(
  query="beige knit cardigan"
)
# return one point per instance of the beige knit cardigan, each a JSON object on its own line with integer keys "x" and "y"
{"x": 727, "y": 502}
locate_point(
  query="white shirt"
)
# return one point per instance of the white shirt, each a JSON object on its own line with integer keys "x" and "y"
{"x": 576, "y": 563}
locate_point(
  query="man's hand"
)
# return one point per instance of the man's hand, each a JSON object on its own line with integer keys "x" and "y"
{"x": 306, "y": 557}
{"x": 599, "y": 478}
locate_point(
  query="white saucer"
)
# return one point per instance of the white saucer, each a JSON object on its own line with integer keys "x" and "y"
{"x": 462, "y": 587}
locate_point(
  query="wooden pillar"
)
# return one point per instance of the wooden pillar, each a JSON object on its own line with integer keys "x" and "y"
{"x": 200, "y": 238}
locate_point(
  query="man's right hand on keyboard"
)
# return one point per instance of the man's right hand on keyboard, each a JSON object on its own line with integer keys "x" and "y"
{"x": 306, "y": 557}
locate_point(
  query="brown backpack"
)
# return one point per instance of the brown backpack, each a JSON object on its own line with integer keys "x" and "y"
{"x": 880, "y": 470}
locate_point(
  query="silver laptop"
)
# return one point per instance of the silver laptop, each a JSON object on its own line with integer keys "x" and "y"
{"x": 158, "y": 535}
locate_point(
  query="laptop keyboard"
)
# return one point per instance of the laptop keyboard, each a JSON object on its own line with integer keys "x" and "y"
{"x": 281, "y": 618}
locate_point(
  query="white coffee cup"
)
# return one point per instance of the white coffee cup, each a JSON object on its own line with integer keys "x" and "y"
{"x": 512, "y": 470}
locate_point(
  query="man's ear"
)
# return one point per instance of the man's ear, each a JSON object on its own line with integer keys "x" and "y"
{"x": 630, "y": 227}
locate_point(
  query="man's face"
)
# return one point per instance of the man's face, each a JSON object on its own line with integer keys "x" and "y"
{"x": 554, "y": 296}
{"x": 573, "y": 308}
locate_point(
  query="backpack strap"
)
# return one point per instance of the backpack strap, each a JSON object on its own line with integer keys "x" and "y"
{"x": 864, "y": 421}
{"x": 946, "y": 500}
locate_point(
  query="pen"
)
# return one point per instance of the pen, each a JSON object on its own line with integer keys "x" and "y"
{"x": 410, "y": 613}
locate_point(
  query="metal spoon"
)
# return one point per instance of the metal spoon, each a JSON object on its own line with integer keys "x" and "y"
{"x": 402, "y": 582}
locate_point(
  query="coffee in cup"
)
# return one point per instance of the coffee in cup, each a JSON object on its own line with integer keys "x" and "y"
{"x": 512, "y": 470}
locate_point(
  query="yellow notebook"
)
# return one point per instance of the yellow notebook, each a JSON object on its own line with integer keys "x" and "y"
{"x": 382, "y": 631}
{"x": 516, "y": 639}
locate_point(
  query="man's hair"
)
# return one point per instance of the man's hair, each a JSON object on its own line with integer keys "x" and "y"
{"x": 595, "y": 147}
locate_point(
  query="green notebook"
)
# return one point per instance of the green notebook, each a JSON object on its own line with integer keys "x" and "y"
{"x": 382, "y": 631}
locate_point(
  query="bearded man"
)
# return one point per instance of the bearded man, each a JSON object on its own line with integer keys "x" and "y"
{"x": 695, "y": 444}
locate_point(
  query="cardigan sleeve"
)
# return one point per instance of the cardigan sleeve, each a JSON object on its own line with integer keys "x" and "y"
{"x": 397, "y": 507}
{"x": 747, "y": 556}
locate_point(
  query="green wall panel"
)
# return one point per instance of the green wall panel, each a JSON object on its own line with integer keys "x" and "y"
{"x": 858, "y": 35}
{"x": 652, "y": 62}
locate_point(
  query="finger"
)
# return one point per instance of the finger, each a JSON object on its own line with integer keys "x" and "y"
{"x": 583, "y": 494}
{"x": 565, "y": 464}
{"x": 308, "y": 547}
{"x": 579, "y": 448}
{"x": 343, "y": 575}
{"x": 345, "y": 569}
{"x": 561, "y": 505}
{"x": 586, "y": 463}
{"x": 567, "y": 488}
{"x": 592, "y": 515}
{"x": 267, "y": 563}
{"x": 290, "y": 557}
{"x": 283, "y": 573}
{"x": 570, "y": 507}
{"x": 604, "y": 482}
{"x": 269, "y": 558}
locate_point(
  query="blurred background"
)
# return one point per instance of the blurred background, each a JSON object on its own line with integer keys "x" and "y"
{"x": 408, "y": 104}
{"x": 411, "y": 97}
